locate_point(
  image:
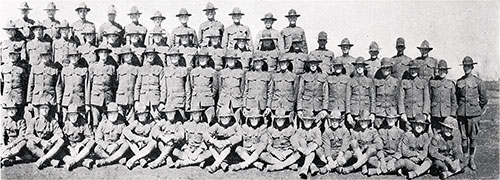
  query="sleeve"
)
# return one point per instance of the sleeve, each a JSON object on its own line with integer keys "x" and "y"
{"x": 114, "y": 80}
{"x": 88, "y": 82}
{"x": 31, "y": 85}
{"x": 453, "y": 98}
{"x": 296, "y": 87}
{"x": 88, "y": 132}
{"x": 434, "y": 149}
{"x": 457, "y": 151}
{"x": 257, "y": 41}
{"x": 127, "y": 131}
{"x": 59, "y": 88}
{"x": 187, "y": 91}
{"x": 377, "y": 141}
{"x": 300, "y": 93}
{"x": 245, "y": 94}
{"x": 137, "y": 88}
{"x": 372, "y": 96}
{"x": 304, "y": 41}
{"x": 30, "y": 134}
{"x": 215, "y": 84}
{"x": 243, "y": 82}
{"x": 326, "y": 142}
{"x": 401, "y": 98}
{"x": 325, "y": 95}
{"x": 225, "y": 39}
{"x": 280, "y": 42}
{"x": 200, "y": 34}
{"x": 346, "y": 140}
{"x": 483, "y": 98}
{"x": 295, "y": 139}
{"x": 58, "y": 134}
{"x": 171, "y": 41}
{"x": 180, "y": 134}
{"x": 270, "y": 86}
{"x": 264, "y": 138}
{"x": 348, "y": 95}
{"x": 195, "y": 38}
{"x": 250, "y": 42}
{"x": 156, "y": 131}
{"x": 427, "y": 99}
{"x": 317, "y": 137}
{"x": 22, "y": 129}
{"x": 425, "y": 152}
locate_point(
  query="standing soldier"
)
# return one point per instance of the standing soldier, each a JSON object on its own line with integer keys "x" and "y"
{"x": 210, "y": 25}
{"x": 400, "y": 60}
{"x": 243, "y": 51}
{"x": 413, "y": 96}
{"x": 325, "y": 55}
{"x": 313, "y": 93}
{"x": 81, "y": 24}
{"x": 14, "y": 41}
{"x": 183, "y": 28}
{"x": 292, "y": 30}
{"x": 135, "y": 41}
{"x": 443, "y": 97}
{"x": 232, "y": 84}
{"x": 448, "y": 158}
{"x": 373, "y": 63}
{"x": 298, "y": 56}
{"x": 337, "y": 87}
{"x": 150, "y": 86}
{"x": 62, "y": 45}
{"x": 13, "y": 80}
{"x": 427, "y": 64}
{"x": 35, "y": 45}
{"x": 269, "y": 49}
{"x": 215, "y": 49}
{"x": 258, "y": 87}
{"x": 42, "y": 84}
{"x": 127, "y": 75}
{"x": 112, "y": 36}
{"x": 347, "y": 59}
{"x": 24, "y": 31}
{"x": 186, "y": 47}
{"x": 158, "y": 40}
{"x": 471, "y": 95}
{"x": 110, "y": 23}
{"x": 51, "y": 22}
{"x": 360, "y": 94}
{"x": 271, "y": 33}
{"x": 102, "y": 85}
{"x": 157, "y": 19}
{"x": 88, "y": 48}
{"x": 177, "y": 83}
{"x": 284, "y": 88}
{"x": 235, "y": 30}
{"x": 204, "y": 86}
{"x": 73, "y": 83}
{"x": 386, "y": 93}
{"x": 134, "y": 15}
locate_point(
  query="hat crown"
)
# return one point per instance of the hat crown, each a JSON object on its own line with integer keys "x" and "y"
{"x": 312, "y": 58}
{"x": 141, "y": 108}
{"x": 72, "y": 50}
{"x": 126, "y": 49}
{"x": 111, "y": 9}
{"x": 202, "y": 52}
{"x": 134, "y": 10}
{"x": 400, "y": 41}
{"x": 64, "y": 23}
{"x": 169, "y": 107}
{"x": 269, "y": 16}
{"x": 425, "y": 44}
{"x": 413, "y": 64}
{"x": 345, "y": 41}
{"x": 10, "y": 25}
{"x": 225, "y": 111}
{"x": 150, "y": 50}
{"x": 51, "y": 5}
{"x": 236, "y": 10}
{"x": 258, "y": 55}
{"x": 82, "y": 5}
{"x": 322, "y": 35}
{"x": 72, "y": 108}
{"x": 364, "y": 115}
{"x": 209, "y": 6}
{"x": 337, "y": 61}
{"x": 442, "y": 64}
{"x": 467, "y": 60}
{"x": 373, "y": 46}
{"x": 89, "y": 30}
{"x": 385, "y": 62}
{"x": 449, "y": 122}
{"x": 183, "y": 11}
{"x": 360, "y": 60}
{"x": 12, "y": 49}
{"x": 112, "y": 107}
{"x": 292, "y": 12}
{"x": 281, "y": 112}
{"x": 296, "y": 38}
{"x": 196, "y": 107}
{"x": 8, "y": 104}
{"x": 254, "y": 112}
{"x": 24, "y": 5}
{"x": 157, "y": 14}
{"x": 111, "y": 30}
{"x": 335, "y": 114}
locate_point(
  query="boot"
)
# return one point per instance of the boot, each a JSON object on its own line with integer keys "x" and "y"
{"x": 472, "y": 163}
{"x": 314, "y": 169}
{"x": 258, "y": 165}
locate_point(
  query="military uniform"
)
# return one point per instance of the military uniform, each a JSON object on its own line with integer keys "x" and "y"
{"x": 236, "y": 30}
{"x": 51, "y": 23}
{"x": 35, "y": 46}
{"x": 386, "y": 95}
{"x": 446, "y": 153}
{"x": 258, "y": 89}
{"x": 390, "y": 154}
{"x": 204, "y": 86}
{"x": 77, "y": 135}
{"x": 177, "y": 83}
{"x": 42, "y": 84}
{"x": 253, "y": 137}
{"x": 80, "y": 25}
{"x": 273, "y": 34}
{"x": 360, "y": 94}
{"x": 62, "y": 46}
{"x": 127, "y": 76}
{"x": 209, "y": 25}
{"x": 335, "y": 142}
{"x": 45, "y": 138}
{"x": 346, "y": 58}
{"x": 427, "y": 64}
{"x": 136, "y": 26}
{"x": 108, "y": 24}
{"x": 195, "y": 135}
{"x": 280, "y": 141}
{"x": 326, "y": 56}
{"x": 174, "y": 40}
{"x": 443, "y": 97}
{"x": 218, "y": 132}
{"x": 414, "y": 96}
{"x": 158, "y": 30}
{"x": 373, "y": 63}
{"x": 231, "y": 85}
{"x": 293, "y": 30}
{"x": 16, "y": 42}
{"x": 24, "y": 24}
{"x": 313, "y": 92}
{"x": 13, "y": 78}
{"x": 285, "y": 86}
{"x": 150, "y": 86}
{"x": 400, "y": 61}
{"x": 337, "y": 88}
{"x": 165, "y": 127}
{"x": 136, "y": 128}
{"x": 88, "y": 49}
{"x": 188, "y": 53}
{"x": 298, "y": 58}
{"x": 244, "y": 54}
{"x": 73, "y": 83}
{"x": 13, "y": 132}
{"x": 109, "y": 134}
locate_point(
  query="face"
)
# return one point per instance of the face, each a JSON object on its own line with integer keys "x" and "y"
{"x": 25, "y": 12}
{"x": 335, "y": 122}
{"x": 236, "y": 18}
{"x": 74, "y": 58}
{"x": 157, "y": 38}
{"x": 128, "y": 58}
{"x": 442, "y": 73}
{"x": 103, "y": 54}
{"x": 360, "y": 68}
{"x": 134, "y": 17}
{"x": 257, "y": 65}
{"x": 280, "y": 122}
{"x": 418, "y": 127}
{"x": 157, "y": 20}
{"x": 225, "y": 120}
{"x": 150, "y": 57}
{"x": 468, "y": 69}
{"x": 73, "y": 117}
{"x": 391, "y": 122}
{"x": 89, "y": 37}
{"x": 364, "y": 123}
{"x": 414, "y": 72}
{"x": 170, "y": 115}
{"x": 424, "y": 52}
{"x": 184, "y": 40}
{"x": 241, "y": 44}
{"x": 254, "y": 121}
{"x": 268, "y": 23}
{"x": 283, "y": 65}
{"x": 215, "y": 41}
{"x": 292, "y": 19}
{"x": 113, "y": 116}
{"x": 400, "y": 48}
{"x": 111, "y": 17}
{"x": 230, "y": 63}
{"x": 175, "y": 59}
{"x": 64, "y": 32}
{"x": 373, "y": 53}
{"x": 338, "y": 68}
{"x": 44, "y": 110}
{"x": 203, "y": 60}
{"x": 308, "y": 123}
{"x": 82, "y": 13}
{"x": 196, "y": 116}
{"x": 142, "y": 117}
{"x": 11, "y": 32}
{"x": 14, "y": 56}
{"x": 447, "y": 131}
{"x": 210, "y": 14}
{"x": 46, "y": 57}
{"x": 51, "y": 13}
{"x": 183, "y": 19}
{"x": 112, "y": 38}
{"x": 313, "y": 67}
{"x": 11, "y": 112}
{"x": 38, "y": 32}
{"x": 386, "y": 71}
{"x": 322, "y": 42}
{"x": 345, "y": 49}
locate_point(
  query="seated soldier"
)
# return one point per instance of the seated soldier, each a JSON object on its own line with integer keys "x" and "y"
{"x": 308, "y": 140}
{"x": 414, "y": 148}
{"x": 222, "y": 137}
{"x": 335, "y": 143}
{"x": 390, "y": 154}
{"x": 45, "y": 137}
{"x": 446, "y": 151}
{"x": 138, "y": 136}
{"x": 13, "y": 134}
{"x": 254, "y": 135}
{"x": 111, "y": 145}
{"x": 168, "y": 133}
{"x": 365, "y": 143}
{"x": 280, "y": 153}
{"x": 80, "y": 139}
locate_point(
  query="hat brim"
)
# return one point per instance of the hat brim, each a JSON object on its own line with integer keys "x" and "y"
{"x": 429, "y": 48}
{"x": 37, "y": 26}
{"x": 99, "y": 49}
{"x": 350, "y": 45}
{"x": 128, "y": 52}
{"x": 55, "y": 9}
{"x": 474, "y": 63}
{"x": 206, "y": 55}
{"x": 10, "y": 28}
{"x": 246, "y": 39}
{"x": 162, "y": 17}
{"x": 385, "y": 66}
{"x": 263, "y": 19}
{"x": 233, "y": 14}
{"x": 355, "y": 63}
{"x": 422, "y": 122}
{"x": 441, "y": 68}
{"x": 88, "y": 9}
{"x": 268, "y": 38}
{"x": 179, "y": 15}
{"x": 74, "y": 54}
{"x": 292, "y": 15}
{"x": 134, "y": 13}
{"x": 210, "y": 9}
{"x": 24, "y": 8}
{"x": 60, "y": 27}
{"x": 195, "y": 110}
{"x": 174, "y": 54}
{"x": 313, "y": 61}
{"x": 447, "y": 125}
{"x": 149, "y": 52}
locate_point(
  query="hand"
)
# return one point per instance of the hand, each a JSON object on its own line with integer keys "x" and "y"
{"x": 267, "y": 111}
{"x": 341, "y": 160}
{"x": 372, "y": 117}
{"x": 31, "y": 107}
{"x": 244, "y": 112}
{"x": 300, "y": 114}
{"x": 280, "y": 156}
{"x": 323, "y": 114}
{"x": 350, "y": 120}
{"x": 87, "y": 108}
{"x": 161, "y": 106}
{"x": 404, "y": 117}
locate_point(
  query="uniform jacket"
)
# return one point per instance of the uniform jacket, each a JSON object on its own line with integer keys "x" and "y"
{"x": 386, "y": 96}
{"x": 42, "y": 84}
{"x": 443, "y": 98}
{"x": 347, "y": 60}
{"x": 303, "y": 137}
{"x": 441, "y": 148}
{"x": 33, "y": 48}
{"x": 174, "y": 39}
{"x": 413, "y": 146}
{"x": 204, "y": 86}
{"x": 335, "y": 141}
{"x": 40, "y": 129}
{"x": 107, "y": 132}
{"x": 281, "y": 140}
{"x": 414, "y": 97}
{"x": 79, "y": 27}
{"x": 60, "y": 47}
{"x": 88, "y": 53}
{"x": 150, "y": 86}
{"x": 285, "y": 86}
{"x": 369, "y": 138}
{"x": 14, "y": 82}
{"x": 196, "y": 134}
{"x": 13, "y": 130}
{"x": 337, "y": 88}
{"x": 279, "y": 42}
{"x": 360, "y": 95}
{"x": 391, "y": 139}
{"x": 313, "y": 92}
{"x": 208, "y": 26}
{"x": 16, "y": 42}
{"x": 326, "y": 56}
{"x": 427, "y": 67}
{"x": 127, "y": 77}
{"x": 231, "y": 87}
{"x": 73, "y": 85}
{"x": 165, "y": 127}
{"x": 289, "y": 32}
{"x": 400, "y": 65}
{"x": 76, "y": 133}
{"x": 177, "y": 84}
{"x": 103, "y": 84}
{"x": 254, "y": 137}
{"x": 233, "y": 31}
{"x": 258, "y": 90}
{"x": 471, "y": 96}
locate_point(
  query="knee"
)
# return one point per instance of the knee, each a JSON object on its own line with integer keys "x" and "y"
{"x": 371, "y": 151}
{"x": 31, "y": 144}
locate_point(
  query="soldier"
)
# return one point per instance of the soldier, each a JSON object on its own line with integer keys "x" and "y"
{"x": 134, "y": 26}
{"x": 182, "y": 29}
{"x": 210, "y": 25}
{"x": 134, "y": 35}
{"x": 445, "y": 151}
{"x": 42, "y": 84}
{"x": 386, "y": 93}
{"x": 158, "y": 40}
{"x": 292, "y": 30}
{"x": 347, "y": 59}
{"x": 313, "y": 92}
{"x": 150, "y": 86}
{"x": 33, "y": 47}
{"x": 360, "y": 93}
{"x": 427, "y": 64}
{"x": 215, "y": 49}
{"x": 161, "y": 40}
{"x": 284, "y": 88}
{"x": 414, "y": 148}
{"x": 258, "y": 87}
{"x": 195, "y": 150}
{"x": 243, "y": 51}
{"x": 326, "y": 56}
{"x": 271, "y": 34}
{"x": 112, "y": 37}
{"x": 14, "y": 41}
{"x": 80, "y": 139}
{"x": 65, "y": 42}
{"x": 13, "y": 81}
{"x": 102, "y": 85}
{"x": 177, "y": 83}
{"x": 45, "y": 137}
{"x": 335, "y": 143}
{"x": 139, "y": 137}
{"x": 186, "y": 47}
{"x": 51, "y": 22}
{"x": 232, "y": 84}
{"x": 127, "y": 76}
{"x": 308, "y": 140}
{"x": 413, "y": 96}
{"x": 82, "y": 24}
{"x": 24, "y": 31}
{"x": 391, "y": 137}
{"x": 472, "y": 98}
{"x": 298, "y": 56}
{"x": 73, "y": 84}
{"x": 254, "y": 135}
{"x": 280, "y": 152}
{"x": 110, "y": 144}
{"x": 337, "y": 87}
{"x": 270, "y": 51}
{"x": 88, "y": 47}
{"x": 13, "y": 134}
{"x": 443, "y": 97}
{"x": 223, "y": 136}
{"x": 400, "y": 60}
{"x": 111, "y": 23}
{"x": 365, "y": 143}
{"x": 236, "y": 30}
{"x": 204, "y": 86}
{"x": 168, "y": 133}
{"x": 373, "y": 63}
